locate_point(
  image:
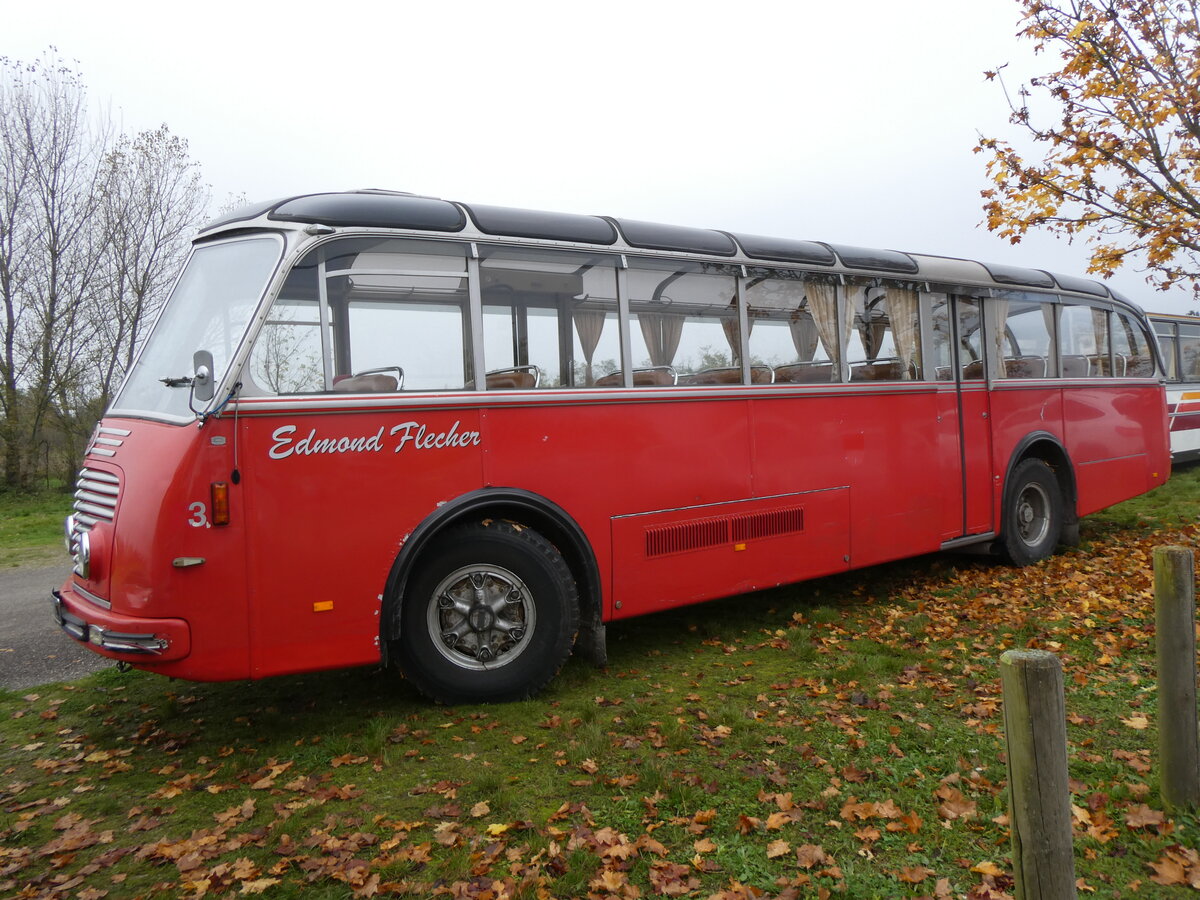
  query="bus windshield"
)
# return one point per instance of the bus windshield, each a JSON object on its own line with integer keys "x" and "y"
{"x": 208, "y": 310}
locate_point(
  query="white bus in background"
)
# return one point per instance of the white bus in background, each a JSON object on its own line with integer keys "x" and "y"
{"x": 1179, "y": 341}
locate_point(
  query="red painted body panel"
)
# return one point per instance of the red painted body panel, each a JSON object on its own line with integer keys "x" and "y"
{"x": 325, "y": 526}
{"x": 1118, "y": 441}
{"x": 807, "y": 482}
{"x": 164, "y": 470}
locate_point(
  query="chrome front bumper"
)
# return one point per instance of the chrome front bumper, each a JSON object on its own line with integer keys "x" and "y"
{"x": 102, "y": 638}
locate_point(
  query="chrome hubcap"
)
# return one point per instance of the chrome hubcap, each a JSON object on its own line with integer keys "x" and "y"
{"x": 479, "y": 617}
{"x": 1033, "y": 514}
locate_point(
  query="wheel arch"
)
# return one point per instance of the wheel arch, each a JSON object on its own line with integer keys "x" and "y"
{"x": 515, "y": 505}
{"x": 1049, "y": 449}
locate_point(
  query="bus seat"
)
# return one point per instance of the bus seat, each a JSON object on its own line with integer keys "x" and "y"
{"x": 365, "y": 384}
{"x": 805, "y": 373}
{"x": 1139, "y": 367}
{"x": 973, "y": 369}
{"x": 655, "y": 376}
{"x": 1025, "y": 367}
{"x": 514, "y": 378}
{"x": 729, "y": 375}
{"x": 883, "y": 370}
{"x": 726, "y": 375}
{"x": 661, "y": 376}
{"x": 1075, "y": 366}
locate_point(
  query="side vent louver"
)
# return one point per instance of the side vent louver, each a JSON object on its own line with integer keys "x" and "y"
{"x": 697, "y": 534}
{"x": 681, "y": 536}
{"x": 768, "y": 524}
{"x": 96, "y": 497}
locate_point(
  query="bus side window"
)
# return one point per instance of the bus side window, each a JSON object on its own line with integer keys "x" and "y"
{"x": 287, "y": 356}
{"x": 1168, "y": 347}
{"x": 1189, "y": 352}
{"x": 397, "y": 319}
{"x": 400, "y": 308}
{"x": 1083, "y": 341}
{"x": 550, "y": 318}
{"x": 1023, "y": 336}
{"x": 683, "y": 323}
{"x": 1131, "y": 348}
{"x": 784, "y": 336}
{"x": 885, "y": 344}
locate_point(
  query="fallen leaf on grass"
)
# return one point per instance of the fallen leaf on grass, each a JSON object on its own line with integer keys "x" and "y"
{"x": 257, "y": 887}
{"x": 1142, "y": 816}
{"x": 913, "y": 874}
{"x": 1178, "y": 865}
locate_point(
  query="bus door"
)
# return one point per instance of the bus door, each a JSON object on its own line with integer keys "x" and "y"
{"x": 964, "y": 414}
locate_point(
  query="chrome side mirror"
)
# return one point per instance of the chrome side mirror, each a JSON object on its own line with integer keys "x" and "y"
{"x": 202, "y": 381}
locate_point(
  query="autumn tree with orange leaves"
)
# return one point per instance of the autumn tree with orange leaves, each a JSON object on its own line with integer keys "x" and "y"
{"x": 1118, "y": 130}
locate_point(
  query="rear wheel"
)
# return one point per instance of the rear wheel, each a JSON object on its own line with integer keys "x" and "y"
{"x": 489, "y": 615}
{"x": 1033, "y": 516}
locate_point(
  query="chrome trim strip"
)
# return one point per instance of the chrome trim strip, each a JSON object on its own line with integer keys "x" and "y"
{"x": 107, "y": 500}
{"x": 98, "y": 487}
{"x": 105, "y": 512}
{"x": 97, "y": 475}
{"x": 96, "y": 496}
{"x": 122, "y": 432}
{"x": 740, "y": 502}
{"x": 100, "y": 451}
{"x": 553, "y": 397}
{"x": 968, "y": 540}
{"x": 90, "y": 597}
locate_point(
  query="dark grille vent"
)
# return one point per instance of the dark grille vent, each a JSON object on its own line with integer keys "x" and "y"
{"x": 697, "y": 534}
{"x": 686, "y": 536}
{"x": 766, "y": 524}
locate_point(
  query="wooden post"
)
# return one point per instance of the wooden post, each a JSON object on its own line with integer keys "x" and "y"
{"x": 1035, "y": 731}
{"x": 1178, "y": 724}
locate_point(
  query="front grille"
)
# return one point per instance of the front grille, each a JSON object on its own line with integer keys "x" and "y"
{"x": 96, "y": 495}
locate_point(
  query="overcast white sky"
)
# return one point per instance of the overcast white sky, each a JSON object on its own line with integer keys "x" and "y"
{"x": 849, "y": 122}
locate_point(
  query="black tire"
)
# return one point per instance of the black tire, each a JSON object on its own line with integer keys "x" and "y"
{"x": 488, "y": 616}
{"x": 1033, "y": 513}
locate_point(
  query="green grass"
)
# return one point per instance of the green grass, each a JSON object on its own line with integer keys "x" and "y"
{"x": 842, "y": 735}
{"x": 31, "y": 527}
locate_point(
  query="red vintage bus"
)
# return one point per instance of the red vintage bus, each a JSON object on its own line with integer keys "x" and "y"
{"x": 374, "y": 426}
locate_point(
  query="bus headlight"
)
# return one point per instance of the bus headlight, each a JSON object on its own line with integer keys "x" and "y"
{"x": 82, "y": 554}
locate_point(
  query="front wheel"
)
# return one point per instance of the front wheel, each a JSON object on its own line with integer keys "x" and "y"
{"x": 489, "y": 616}
{"x": 1033, "y": 515}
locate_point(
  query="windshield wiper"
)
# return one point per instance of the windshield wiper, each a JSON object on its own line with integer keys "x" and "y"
{"x": 185, "y": 381}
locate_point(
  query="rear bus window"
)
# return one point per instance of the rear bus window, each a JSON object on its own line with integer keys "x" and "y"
{"x": 1131, "y": 349}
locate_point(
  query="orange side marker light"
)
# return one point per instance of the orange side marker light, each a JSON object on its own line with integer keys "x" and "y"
{"x": 220, "y": 503}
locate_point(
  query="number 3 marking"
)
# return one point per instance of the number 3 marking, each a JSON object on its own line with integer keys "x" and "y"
{"x": 199, "y": 517}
